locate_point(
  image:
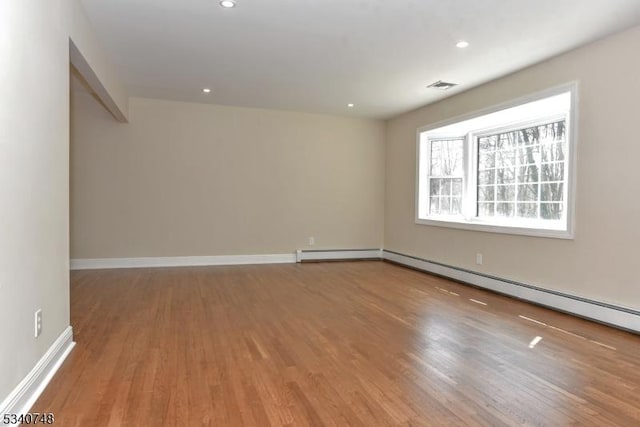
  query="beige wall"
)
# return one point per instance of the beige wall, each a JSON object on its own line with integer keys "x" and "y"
{"x": 33, "y": 183}
{"x": 600, "y": 263}
{"x": 89, "y": 57}
{"x": 193, "y": 179}
{"x": 34, "y": 177}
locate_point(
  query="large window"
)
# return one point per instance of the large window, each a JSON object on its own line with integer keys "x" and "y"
{"x": 509, "y": 170}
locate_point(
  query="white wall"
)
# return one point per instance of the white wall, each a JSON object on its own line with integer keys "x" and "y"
{"x": 186, "y": 179}
{"x": 600, "y": 263}
{"x": 88, "y": 56}
{"x": 34, "y": 179}
{"x": 34, "y": 137}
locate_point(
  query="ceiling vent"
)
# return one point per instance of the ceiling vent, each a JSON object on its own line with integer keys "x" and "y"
{"x": 442, "y": 85}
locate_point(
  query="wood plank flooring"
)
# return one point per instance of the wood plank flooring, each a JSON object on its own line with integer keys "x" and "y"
{"x": 348, "y": 343}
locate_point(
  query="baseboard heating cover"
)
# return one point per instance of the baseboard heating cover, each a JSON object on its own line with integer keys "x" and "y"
{"x": 621, "y": 317}
{"x": 337, "y": 254}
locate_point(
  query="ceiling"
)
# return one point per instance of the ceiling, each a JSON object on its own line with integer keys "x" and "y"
{"x": 320, "y": 55}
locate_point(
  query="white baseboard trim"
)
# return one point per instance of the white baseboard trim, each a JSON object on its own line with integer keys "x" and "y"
{"x": 22, "y": 398}
{"x": 181, "y": 261}
{"x": 620, "y": 317}
{"x": 337, "y": 254}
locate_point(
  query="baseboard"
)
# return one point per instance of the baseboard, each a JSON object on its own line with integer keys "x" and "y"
{"x": 22, "y": 398}
{"x": 621, "y": 317}
{"x": 337, "y": 254}
{"x": 182, "y": 261}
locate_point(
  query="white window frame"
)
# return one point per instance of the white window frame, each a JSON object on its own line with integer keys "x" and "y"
{"x": 426, "y": 175}
{"x": 562, "y": 229}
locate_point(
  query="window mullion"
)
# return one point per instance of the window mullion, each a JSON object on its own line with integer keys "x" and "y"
{"x": 471, "y": 186}
{"x": 516, "y": 179}
{"x": 539, "y": 161}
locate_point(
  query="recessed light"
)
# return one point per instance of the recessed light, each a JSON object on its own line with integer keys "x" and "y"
{"x": 228, "y": 4}
{"x": 206, "y": 90}
{"x": 462, "y": 44}
{"x": 350, "y": 105}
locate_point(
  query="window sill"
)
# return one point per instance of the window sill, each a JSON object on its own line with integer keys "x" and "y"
{"x": 515, "y": 229}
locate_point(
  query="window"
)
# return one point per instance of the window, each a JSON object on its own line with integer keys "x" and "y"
{"x": 508, "y": 170}
{"x": 446, "y": 176}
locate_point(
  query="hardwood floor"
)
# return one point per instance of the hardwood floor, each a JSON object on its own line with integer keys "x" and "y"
{"x": 349, "y": 343}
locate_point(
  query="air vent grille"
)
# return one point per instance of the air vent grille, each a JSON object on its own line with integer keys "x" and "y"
{"x": 442, "y": 85}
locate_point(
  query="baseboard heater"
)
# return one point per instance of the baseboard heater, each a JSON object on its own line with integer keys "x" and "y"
{"x": 337, "y": 254}
{"x": 612, "y": 315}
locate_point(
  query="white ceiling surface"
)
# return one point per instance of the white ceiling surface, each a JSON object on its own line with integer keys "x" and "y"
{"x": 319, "y": 55}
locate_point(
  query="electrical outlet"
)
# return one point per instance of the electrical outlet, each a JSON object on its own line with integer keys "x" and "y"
{"x": 38, "y": 322}
{"x": 312, "y": 241}
{"x": 479, "y": 259}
